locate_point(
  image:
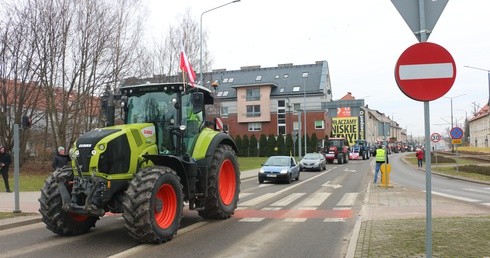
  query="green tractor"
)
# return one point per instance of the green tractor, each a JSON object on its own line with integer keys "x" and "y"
{"x": 163, "y": 155}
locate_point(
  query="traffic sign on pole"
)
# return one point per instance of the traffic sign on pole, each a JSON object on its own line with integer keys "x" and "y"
{"x": 411, "y": 12}
{"x": 435, "y": 137}
{"x": 456, "y": 133}
{"x": 425, "y": 71}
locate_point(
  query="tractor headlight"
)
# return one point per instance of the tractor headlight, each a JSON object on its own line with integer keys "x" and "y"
{"x": 73, "y": 153}
{"x": 93, "y": 152}
{"x": 101, "y": 147}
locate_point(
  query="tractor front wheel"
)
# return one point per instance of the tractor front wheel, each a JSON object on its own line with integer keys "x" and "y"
{"x": 223, "y": 185}
{"x": 56, "y": 219}
{"x": 153, "y": 205}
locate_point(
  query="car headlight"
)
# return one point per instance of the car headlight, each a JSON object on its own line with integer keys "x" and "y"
{"x": 284, "y": 171}
{"x": 261, "y": 170}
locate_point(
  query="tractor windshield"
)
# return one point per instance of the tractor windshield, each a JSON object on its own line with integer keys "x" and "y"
{"x": 156, "y": 108}
{"x": 150, "y": 107}
{"x": 159, "y": 108}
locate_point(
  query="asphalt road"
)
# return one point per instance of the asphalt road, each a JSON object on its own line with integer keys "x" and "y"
{"x": 312, "y": 217}
{"x": 443, "y": 186}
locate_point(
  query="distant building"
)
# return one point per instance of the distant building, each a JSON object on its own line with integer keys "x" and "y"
{"x": 267, "y": 101}
{"x": 479, "y": 126}
{"x": 273, "y": 100}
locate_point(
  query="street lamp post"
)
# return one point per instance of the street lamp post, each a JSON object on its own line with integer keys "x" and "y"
{"x": 200, "y": 35}
{"x": 488, "y": 73}
{"x": 451, "y": 98}
{"x": 465, "y": 124}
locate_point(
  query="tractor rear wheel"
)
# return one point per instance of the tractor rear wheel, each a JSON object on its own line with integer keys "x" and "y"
{"x": 56, "y": 219}
{"x": 223, "y": 185}
{"x": 153, "y": 205}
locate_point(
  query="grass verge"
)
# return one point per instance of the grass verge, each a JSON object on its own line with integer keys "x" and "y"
{"x": 451, "y": 237}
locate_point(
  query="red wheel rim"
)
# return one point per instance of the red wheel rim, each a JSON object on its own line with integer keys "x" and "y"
{"x": 168, "y": 198}
{"x": 227, "y": 182}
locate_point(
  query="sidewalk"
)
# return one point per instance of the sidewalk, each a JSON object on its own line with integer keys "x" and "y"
{"x": 392, "y": 223}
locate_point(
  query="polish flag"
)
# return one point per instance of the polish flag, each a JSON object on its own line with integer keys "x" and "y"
{"x": 186, "y": 67}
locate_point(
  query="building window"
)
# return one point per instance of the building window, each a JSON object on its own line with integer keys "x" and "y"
{"x": 253, "y": 127}
{"x": 320, "y": 124}
{"x": 224, "y": 111}
{"x": 220, "y": 93}
{"x": 296, "y": 107}
{"x": 277, "y": 76}
{"x": 225, "y": 80}
{"x": 305, "y": 75}
{"x": 231, "y": 80}
{"x": 286, "y": 75}
{"x": 281, "y": 129}
{"x": 281, "y": 117}
{"x": 253, "y": 94}
{"x": 258, "y": 78}
{"x": 281, "y": 90}
{"x": 253, "y": 110}
{"x": 225, "y": 93}
{"x": 296, "y": 125}
{"x": 296, "y": 88}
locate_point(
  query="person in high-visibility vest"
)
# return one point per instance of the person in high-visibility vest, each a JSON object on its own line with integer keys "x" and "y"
{"x": 380, "y": 159}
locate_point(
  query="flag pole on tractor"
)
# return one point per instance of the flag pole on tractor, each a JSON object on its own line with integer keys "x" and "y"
{"x": 186, "y": 67}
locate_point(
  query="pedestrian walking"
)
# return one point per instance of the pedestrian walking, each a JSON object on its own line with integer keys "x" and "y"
{"x": 5, "y": 161}
{"x": 381, "y": 158}
{"x": 420, "y": 156}
{"x": 60, "y": 159}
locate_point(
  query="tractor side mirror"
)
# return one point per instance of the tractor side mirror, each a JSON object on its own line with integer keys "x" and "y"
{"x": 197, "y": 100}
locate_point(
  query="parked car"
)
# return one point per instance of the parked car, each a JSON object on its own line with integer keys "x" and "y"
{"x": 313, "y": 161}
{"x": 279, "y": 168}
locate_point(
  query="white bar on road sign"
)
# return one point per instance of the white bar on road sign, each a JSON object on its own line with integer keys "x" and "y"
{"x": 426, "y": 71}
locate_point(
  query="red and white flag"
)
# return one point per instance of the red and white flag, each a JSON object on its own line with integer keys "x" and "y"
{"x": 187, "y": 67}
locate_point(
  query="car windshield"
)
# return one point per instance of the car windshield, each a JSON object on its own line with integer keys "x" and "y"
{"x": 278, "y": 161}
{"x": 312, "y": 156}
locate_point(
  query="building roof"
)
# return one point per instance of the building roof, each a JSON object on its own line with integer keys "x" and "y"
{"x": 484, "y": 111}
{"x": 285, "y": 79}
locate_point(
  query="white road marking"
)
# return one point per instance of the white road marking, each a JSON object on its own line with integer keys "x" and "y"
{"x": 251, "y": 219}
{"x": 455, "y": 197}
{"x": 348, "y": 199}
{"x": 288, "y": 199}
{"x": 294, "y": 220}
{"x": 315, "y": 199}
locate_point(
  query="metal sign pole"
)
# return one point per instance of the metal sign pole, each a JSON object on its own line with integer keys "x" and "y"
{"x": 16, "y": 167}
{"x": 428, "y": 170}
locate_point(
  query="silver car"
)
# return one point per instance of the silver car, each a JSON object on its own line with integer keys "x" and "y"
{"x": 313, "y": 161}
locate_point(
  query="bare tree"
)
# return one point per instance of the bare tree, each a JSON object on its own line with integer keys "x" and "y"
{"x": 167, "y": 51}
{"x": 18, "y": 71}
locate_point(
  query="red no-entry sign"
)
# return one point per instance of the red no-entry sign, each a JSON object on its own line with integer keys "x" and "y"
{"x": 425, "y": 71}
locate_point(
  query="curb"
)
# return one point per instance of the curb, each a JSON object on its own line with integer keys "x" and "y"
{"x": 19, "y": 221}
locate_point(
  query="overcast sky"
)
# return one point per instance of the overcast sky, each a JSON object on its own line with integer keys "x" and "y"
{"x": 361, "y": 40}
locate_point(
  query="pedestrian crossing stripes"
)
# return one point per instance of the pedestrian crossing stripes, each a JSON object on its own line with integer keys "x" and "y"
{"x": 304, "y": 207}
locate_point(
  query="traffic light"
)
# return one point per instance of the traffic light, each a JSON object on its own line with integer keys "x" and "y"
{"x": 26, "y": 122}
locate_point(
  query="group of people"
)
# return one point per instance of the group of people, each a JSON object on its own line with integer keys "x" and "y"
{"x": 381, "y": 158}
{"x": 59, "y": 160}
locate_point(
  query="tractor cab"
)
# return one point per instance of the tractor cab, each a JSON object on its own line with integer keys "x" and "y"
{"x": 177, "y": 113}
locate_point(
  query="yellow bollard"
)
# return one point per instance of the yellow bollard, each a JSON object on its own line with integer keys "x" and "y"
{"x": 385, "y": 175}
